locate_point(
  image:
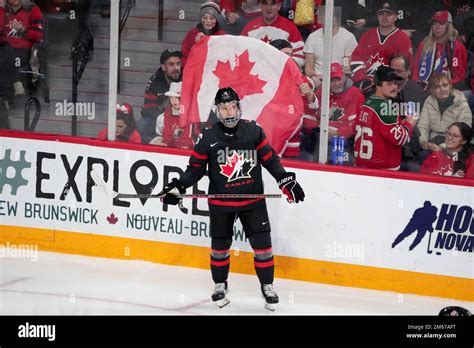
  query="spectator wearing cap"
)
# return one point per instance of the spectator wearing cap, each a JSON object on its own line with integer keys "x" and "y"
{"x": 441, "y": 51}
{"x": 154, "y": 105}
{"x": 343, "y": 44}
{"x": 125, "y": 129}
{"x": 167, "y": 124}
{"x": 380, "y": 131}
{"x": 377, "y": 46}
{"x": 237, "y": 13}
{"x": 271, "y": 26}
{"x": 208, "y": 26}
{"x": 307, "y": 93}
{"x": 345, "y": 102}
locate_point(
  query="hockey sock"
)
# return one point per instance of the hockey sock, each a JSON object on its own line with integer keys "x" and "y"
{"x": 220, "y": 259}
{"x": 263, "y": 258}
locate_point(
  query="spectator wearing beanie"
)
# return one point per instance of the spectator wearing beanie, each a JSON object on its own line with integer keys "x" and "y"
{"x": 209, "y": 25}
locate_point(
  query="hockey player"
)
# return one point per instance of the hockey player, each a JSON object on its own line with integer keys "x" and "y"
{"x": 233, "y": 151}
{"x": 380, "y": 131}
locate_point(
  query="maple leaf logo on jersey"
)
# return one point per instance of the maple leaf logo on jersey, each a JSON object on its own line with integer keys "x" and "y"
{"x": 239, "y": 78}
{"x": 266, "y": 39}
{"x": 375, "y": 62}
{"x": 237, "y": 167}
{"x": 336, "y": 113}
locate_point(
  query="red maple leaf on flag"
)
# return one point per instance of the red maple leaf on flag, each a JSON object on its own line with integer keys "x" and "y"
{"x": 239, "y": 78}
{"x": 112, "y": 219}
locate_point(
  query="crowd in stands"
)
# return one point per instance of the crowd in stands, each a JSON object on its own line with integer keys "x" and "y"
{"x": 385, "y": 53}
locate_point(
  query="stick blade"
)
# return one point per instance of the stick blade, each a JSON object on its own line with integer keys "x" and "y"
{"x": 99, "y": 181}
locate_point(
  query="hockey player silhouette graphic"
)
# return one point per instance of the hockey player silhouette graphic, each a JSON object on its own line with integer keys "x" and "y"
{"x": 422, "y": 220}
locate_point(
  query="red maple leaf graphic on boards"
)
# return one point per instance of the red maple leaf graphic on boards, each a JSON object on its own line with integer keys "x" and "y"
{"x": 239, "y": 78}
{"x": 112, "y": 219}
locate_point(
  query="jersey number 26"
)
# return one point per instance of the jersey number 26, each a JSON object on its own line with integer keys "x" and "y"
{"x": 366, "y": 145}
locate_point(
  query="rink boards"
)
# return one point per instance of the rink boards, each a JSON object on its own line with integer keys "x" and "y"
{"x": 342, "y": 234}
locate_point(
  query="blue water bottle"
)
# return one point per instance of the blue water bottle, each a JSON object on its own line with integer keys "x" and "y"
{"x": 334, "y": 149}
{"x": 341, "y": 150}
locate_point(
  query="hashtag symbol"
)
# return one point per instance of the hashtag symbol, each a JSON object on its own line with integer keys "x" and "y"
{"x": 17, "y": 180}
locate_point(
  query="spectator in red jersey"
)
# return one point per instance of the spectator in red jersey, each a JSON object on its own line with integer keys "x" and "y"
{"x": 124, "y": 127}
{"x": 441, "y": 51}
{"x": 271, "y": 26}
{"x": 167, "y": 124}
{"x": 380, "y": 131}
{"x": 345, "y": 102}
{"x": 237, "y": 13}
{"x": 452, "y": 159}
{"x": 22, "y": 27}
{"x": 208, "y": 26}
{"x": 377, "y": 46}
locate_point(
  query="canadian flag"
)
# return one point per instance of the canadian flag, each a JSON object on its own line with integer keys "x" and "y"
{"x": 265, "y": 79}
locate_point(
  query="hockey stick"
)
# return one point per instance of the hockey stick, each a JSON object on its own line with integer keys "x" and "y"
{"x": 111, "y": 193}
{"x": 429, "y": 242}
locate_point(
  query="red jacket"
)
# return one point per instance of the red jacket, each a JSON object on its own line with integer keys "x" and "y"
{"x": 458, "y": 58}
{"x": 171, "y": 132}
{"x": 442, "y": 163}
{"x": 134, "y": 137}
{"x": 344, "y": 109}
{"x": 32, "y": 20}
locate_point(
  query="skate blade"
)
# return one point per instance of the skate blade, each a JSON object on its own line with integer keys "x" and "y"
{"x": 271, "y": 306}
{"x": 222, "y": 303}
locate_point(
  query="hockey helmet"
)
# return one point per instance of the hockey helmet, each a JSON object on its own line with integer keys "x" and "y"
{"x": 228, "y": 96}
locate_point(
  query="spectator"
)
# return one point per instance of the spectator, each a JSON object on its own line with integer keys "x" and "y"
{"x": 125, "y": 130}
{"x": 22, "y": 27}
{"x": 345, "y": 102}
{"x": 441, "y": 51}
{"x": 377, "y": 46}
{"x": 159, "y": 83}
{"x": 307, "y": 93}
{"x": 237, "y": 13}
{"x": 167, "y": 124}
{"x": 442, "y": 108}
{"x": 271, "y": 26}
{"x": 452, "y": 159}
{"x": 343, "y": 44}
{"x": 381, "y": 133}
{"x": 208, "y": 26}
{"x": 409, "y": 92}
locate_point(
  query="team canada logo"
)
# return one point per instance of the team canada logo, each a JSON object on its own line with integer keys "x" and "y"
{"x": 237, "y": 167}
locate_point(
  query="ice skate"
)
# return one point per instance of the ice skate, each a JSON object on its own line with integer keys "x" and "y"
{"x": 270, "y": 296}
{"x": 219, "y": 295}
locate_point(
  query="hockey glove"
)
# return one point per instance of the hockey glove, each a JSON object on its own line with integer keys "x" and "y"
{"x": 171, "y": 193}
{"x": 291, "y": 188}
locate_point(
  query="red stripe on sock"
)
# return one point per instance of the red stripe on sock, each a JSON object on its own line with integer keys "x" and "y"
{"x": 220, "y": 263}
{"x": 264, "y": 264}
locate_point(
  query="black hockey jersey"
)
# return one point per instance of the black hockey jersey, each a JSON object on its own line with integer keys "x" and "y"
{"x": 233, "y": 159}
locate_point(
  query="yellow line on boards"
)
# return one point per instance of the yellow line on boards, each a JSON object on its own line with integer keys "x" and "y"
{"x": 242, "y": 262}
